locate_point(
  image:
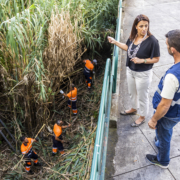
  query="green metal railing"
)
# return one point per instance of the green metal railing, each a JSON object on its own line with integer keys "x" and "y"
{"x": 116, "y": 49}
{"x": 109, "y": 86}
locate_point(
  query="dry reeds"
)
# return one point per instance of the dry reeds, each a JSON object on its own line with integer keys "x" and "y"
{"x": 64, "y": 48}
{"x": 32, "y": 77}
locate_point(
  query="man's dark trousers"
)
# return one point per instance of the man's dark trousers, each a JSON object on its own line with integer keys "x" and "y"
{"x": 164, "y": 130}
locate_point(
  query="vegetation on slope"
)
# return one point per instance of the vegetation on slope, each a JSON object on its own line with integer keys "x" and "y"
{"x": 42, "y": 43}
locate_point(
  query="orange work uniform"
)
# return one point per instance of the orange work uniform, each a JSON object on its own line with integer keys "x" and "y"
{"x": 26, "y": 149}
{"x": 57, "y": 145}
{"x": 87, "y": 72}
{"x": 72, "y": 95}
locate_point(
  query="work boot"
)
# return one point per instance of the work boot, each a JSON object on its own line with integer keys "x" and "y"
{"x": 37, "y": 164}
{"x": 30, "y": 172}
{"x": 63, "y": 153}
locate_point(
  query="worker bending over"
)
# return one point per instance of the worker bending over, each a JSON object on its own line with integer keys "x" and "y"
{"x": 26, "y": 149}
{"x": 57, "y": 137}
{"x": 88, "y": 71}
{"x": 72, "y": 95}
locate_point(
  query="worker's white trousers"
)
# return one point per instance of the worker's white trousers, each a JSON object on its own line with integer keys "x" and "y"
{"x": 138, "y": 88}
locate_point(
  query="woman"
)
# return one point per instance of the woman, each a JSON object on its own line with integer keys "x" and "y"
{"x": 142, "y": 52}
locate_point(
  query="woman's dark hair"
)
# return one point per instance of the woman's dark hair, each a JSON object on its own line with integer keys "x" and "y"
{"x": 139, "y": 18}
{"x": 174, "y": 39}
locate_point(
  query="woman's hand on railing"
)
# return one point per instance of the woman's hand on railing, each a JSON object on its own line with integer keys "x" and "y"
{"x": 111, "y": 40}
{"x": 119, "y": 44}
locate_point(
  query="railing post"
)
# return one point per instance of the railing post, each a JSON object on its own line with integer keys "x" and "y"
{"x": 116, "y": 49}
{"x": 98, "y": 142}
{"x": 109, "y": 86}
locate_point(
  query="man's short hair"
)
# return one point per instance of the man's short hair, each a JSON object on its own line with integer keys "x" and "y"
{"x": 174, "y": 39}
{"x": 72, "y": 85}
{"x": 22, "y": 138}
{"x": 59, "y": 122}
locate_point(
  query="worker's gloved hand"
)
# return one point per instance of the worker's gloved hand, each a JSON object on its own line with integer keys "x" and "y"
{"x": 61, "y": 91}
{"x": 93, "y": 72}
{"x": 26, "y": 156}
{"x": 37, "y": 139}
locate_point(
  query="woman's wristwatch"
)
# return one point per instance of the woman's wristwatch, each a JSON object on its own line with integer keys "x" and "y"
{"x": 145, "y": 61}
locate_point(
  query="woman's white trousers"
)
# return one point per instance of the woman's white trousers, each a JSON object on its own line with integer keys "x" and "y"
{"x": 138, "y": 88}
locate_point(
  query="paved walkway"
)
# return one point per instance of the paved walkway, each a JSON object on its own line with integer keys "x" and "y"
{"x": 128, "y": 146}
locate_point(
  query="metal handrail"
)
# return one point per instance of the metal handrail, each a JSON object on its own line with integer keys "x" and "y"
{"x": 109, "y": 86}
{"x": 96, "y": 163}
{"x": 116, "y": 49}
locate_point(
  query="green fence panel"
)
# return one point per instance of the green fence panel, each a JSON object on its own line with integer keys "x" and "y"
{"x": 109, "y": 87}
{"x": 116, "y": 49}
{"x": 96, "y": 163}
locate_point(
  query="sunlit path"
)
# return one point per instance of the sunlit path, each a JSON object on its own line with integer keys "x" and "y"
{"x": 128, "y": 146}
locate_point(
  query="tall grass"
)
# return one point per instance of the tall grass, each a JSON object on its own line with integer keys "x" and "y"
{"x": 40, "y": 44}
{"x": 9, "y": 8}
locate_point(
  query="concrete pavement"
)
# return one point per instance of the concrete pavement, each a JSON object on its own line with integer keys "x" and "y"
{"x": 128, "y": 146}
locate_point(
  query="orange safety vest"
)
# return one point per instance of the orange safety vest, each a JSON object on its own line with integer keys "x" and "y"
{"x": 72, "y": 95}
{"x": 25, "y": 149}
{"x": 88, "y": 66}
{"x": 57, "y": 130}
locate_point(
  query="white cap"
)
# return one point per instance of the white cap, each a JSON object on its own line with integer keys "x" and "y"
{"x": 95, "y": 61}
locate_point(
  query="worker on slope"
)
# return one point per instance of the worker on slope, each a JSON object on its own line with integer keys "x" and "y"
{"x": 72, "y": 95}
{"x": 26, "y": 149}
{"x": 57, "y": 137}
{"x": 88, "y": 71}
